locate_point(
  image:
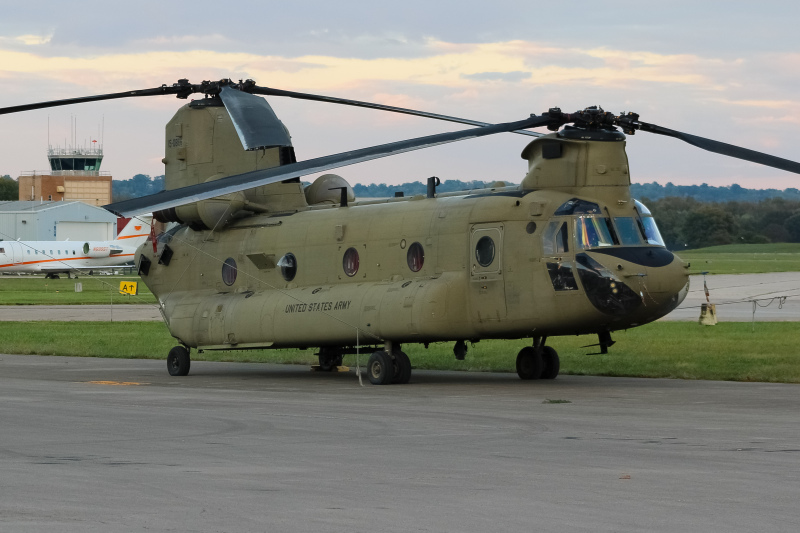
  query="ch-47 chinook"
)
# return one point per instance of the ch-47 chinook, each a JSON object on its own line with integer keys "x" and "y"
{"x": 255, "y": 260}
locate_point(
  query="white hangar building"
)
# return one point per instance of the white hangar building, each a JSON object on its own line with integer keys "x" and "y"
{"x": 56, "y": 221}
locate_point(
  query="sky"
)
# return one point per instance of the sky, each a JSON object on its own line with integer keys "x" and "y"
{"x": 724, "y": 70}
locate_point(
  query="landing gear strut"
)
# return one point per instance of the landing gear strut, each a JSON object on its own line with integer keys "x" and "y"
{"x": 178, "y": 361}
{"x": 538, "y": 361}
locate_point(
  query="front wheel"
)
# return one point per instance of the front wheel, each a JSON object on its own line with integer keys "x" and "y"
{"x": 380, "y": 369}
{"x": 178, "y": 361}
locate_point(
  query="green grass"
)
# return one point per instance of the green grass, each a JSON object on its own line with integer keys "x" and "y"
{"x": 35, "y": 290}
{"x": 727, "y": 351}
{"x": 744, "y": 258}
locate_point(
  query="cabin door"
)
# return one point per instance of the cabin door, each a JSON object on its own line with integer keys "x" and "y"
{"x": 487, "y": 288}
{"x": 15, "y": 250}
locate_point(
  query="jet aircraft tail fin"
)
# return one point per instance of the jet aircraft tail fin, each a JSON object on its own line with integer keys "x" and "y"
{"x": 135, "y": 231}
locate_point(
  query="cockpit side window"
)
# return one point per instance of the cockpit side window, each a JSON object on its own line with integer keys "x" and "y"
{"x": 555, "y": 238}
{"x": 648, "y": 225}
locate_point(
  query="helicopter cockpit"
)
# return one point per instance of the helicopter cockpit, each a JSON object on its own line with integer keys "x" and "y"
{"x": 596, "y": 229}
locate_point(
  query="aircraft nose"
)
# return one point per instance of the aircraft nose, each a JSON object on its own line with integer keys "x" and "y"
{"x": 645, "y": 285}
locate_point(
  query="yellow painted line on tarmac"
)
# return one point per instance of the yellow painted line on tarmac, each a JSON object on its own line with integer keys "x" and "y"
{"x": 123, "y": 383}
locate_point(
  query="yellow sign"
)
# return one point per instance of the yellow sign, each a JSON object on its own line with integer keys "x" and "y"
{"x": 129, "y": 287}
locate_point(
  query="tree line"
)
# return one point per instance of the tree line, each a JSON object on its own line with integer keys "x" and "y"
{"x": 9, "y": 189}
{"x": 686, "y": 222}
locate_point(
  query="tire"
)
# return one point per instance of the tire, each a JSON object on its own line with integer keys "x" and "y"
{"x": 529, "y": 363}
{"x": 552, "y": 364}
{"x": 178, "y": 361}
{"x": 380, "y": 368}
{"x": 329, "y": 359}
{"x": 402, "y": 368}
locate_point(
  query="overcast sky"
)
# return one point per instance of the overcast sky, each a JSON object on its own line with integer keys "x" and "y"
{"x": 724, "y": 70}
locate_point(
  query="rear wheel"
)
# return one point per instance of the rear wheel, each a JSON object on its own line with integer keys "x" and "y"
{"x": 402, "y": 367}
{"x": 380, "y": 368}
{"x": 329, "y": 358}
{"x": 178, "y": 361}
{"x": 529, "y": 363}
{"x": 552, "y": 364}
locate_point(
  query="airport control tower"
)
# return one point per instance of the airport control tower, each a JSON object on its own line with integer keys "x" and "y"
{"x": 74, "y": 175}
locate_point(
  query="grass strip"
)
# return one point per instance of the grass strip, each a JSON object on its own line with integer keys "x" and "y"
{"x": 96, "y": 290}
{"x": 744, "y": 258}
{"x": 729, "y": 351}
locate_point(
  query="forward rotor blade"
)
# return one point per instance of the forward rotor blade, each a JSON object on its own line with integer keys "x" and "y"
{"x": 156, "y": 91}
{"x": 725, "y": 148}
{"x": 254, "y": 120}
{"x": 249, "y": 180}
{"x": 267, "y": 91}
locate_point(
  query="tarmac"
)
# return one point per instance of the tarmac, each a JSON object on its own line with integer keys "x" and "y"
{"x": 105, "y": 445}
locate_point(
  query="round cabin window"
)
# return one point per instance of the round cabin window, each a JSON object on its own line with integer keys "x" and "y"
{"x": 484, "y": 251}
{"x": 229, "y": 271}
{"x": 350, "y": 262}
{"x": 415, "y": 257}
{"x": 288, "y": 264}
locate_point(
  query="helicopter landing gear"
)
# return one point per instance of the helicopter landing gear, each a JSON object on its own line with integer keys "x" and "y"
{"x": 402, "y": 367}
{"x": 178, "y": 361}
{"x": 380, "y": 369}
{"x": 390, "y": 365}
{"x": 552, "y": 364}
{"x": 538, "y": 361}
{"x": 329, "y": 358}
{"x": 529, "y": 363}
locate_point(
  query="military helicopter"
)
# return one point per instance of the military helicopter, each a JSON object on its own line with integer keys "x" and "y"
{"x": 255, "y": 260}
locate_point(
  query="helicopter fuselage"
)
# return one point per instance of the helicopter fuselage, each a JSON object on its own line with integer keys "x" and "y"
{"x": 486, "y": 264}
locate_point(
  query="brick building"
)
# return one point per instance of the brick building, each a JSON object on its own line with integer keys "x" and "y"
{"x": 74, "y": 175}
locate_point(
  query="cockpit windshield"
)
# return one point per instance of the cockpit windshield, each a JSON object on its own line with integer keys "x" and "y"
{"x": 594, "y": 232}
{"x": 630, "y": 232}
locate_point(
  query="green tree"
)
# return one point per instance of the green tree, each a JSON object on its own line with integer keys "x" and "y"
{"x": 793, "y": 227}
{"x": 9, "y": 188}
{"x": 710, "y": 225}
{"x": 670, "y": 213}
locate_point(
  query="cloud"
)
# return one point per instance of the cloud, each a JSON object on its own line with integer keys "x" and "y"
{"x": 27, "y": 40}
{"x": 456, "y": 66}
{"x": 516, "y": 75}
{"x": 201, "y": 41}
{"x": 733, "y": 99}
{"x": 770, "y": 104}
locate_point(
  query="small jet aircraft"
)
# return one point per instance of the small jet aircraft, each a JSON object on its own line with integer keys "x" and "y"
{"x": 64, "y": 257}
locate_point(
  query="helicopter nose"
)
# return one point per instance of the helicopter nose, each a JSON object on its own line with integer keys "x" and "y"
{"x": 641, "y": 286}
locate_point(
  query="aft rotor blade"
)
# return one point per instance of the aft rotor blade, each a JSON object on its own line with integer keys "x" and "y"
{"x": 254, "y": 120}
{"x": 268, "y": 91}
{"x": 249, "y": 180}
{"x": 725, "y": 149}
{"x": 156, "y": 91}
